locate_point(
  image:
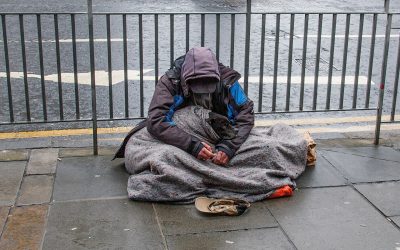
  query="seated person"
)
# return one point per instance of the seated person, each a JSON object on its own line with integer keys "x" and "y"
{"x": 198, "y": 79}
{"x": 198, "y": 90}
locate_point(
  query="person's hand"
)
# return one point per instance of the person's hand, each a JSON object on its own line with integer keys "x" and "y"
{"x": 221, "y": 158}
{"x": 206, "y": 152}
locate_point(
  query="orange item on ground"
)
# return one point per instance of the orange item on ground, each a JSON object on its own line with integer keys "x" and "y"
{"x": 284, "y": 191}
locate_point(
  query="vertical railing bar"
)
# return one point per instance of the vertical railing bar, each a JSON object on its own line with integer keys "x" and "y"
{"x": 187, "y": 31}
{"x": 155, "y": 49}
{"x": 203, "y": 17}
{"x": 92, "y": 76}
{"x": 232, "y": 57}
{"x": 358, "y": 58}
{"x": 275, "y": 81}
{"x": 344, "y": 65}
{"x": 331, "y": 56}
{"x": 261, "y": 81}
{"x": 317, "y": 60}
{"x": 7, "y": 65}
{"x": 41, "y": 65}
{"x": 289, "y": 74}
{"x": 22, "y": 35}
{"x": 303, "y": 61}
{"x": 395, "y": 85}
{"x": 125, "y": 48}
{"x": 383, "y": 79}
{"x": 371, "y": 60}
{"x": 171, "y": 36}
{"x": 247, "y": 47}
{"x": 217, "y": 40}
{"x": 386, "y": 6}
{"x": 74, "y": 56}
{"x": 109, "y": 64}
{"x": 141, "y": 64}
{"x": 58, "y": 62}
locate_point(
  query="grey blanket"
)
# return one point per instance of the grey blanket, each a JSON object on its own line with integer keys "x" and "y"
{"x": 270, "y": 158}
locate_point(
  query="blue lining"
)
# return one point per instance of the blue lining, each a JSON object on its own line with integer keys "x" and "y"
{"x": 178, "y": 100}
{"x": 238, "y": 94}
{"x": 232, "y": 113}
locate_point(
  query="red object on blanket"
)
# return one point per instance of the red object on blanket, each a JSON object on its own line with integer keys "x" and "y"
{"x": 284, "y": 191}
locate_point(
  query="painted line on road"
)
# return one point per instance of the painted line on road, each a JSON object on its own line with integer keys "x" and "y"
{"x": 350, "y": 36}
{"x": 258, "y": 123}
{"x": 134, "y": 75}
{"x": 120, "y": 40}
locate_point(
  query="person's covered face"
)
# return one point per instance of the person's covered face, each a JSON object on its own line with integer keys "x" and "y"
{"x": 201, "y": 90}
{"x": 200, "y": 72}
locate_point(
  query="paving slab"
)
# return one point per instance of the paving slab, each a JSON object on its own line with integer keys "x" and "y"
{"x": 340, "y": 143}
{"x": 325, "y": 135}
{"x": 24, "y": 143}
{"x": 89, "y": 177}
{"x": 396, "y": 219}
{"x": 11, "y": 174}
{"x": 35, "y": 189}
{"x": 102, "y": 224}
{"x": 334, "y": 218}
{"x": 3, "y": 217}
{"x": 181, "y": 219}
{"x": 321, "y": 175}
{"x": 266, "y": 238}
{"x": 73, "y": 152}
{"x": 42, "y": 161}
{"x": 363, "y": 169}
{"x": 25, "y": 228}
{"x": 14, "y": 155}
{"x": 385, "y": 196}
{"x": 377, "y": 152}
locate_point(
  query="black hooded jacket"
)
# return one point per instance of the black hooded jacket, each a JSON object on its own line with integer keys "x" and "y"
{"x": 172, "y": 93}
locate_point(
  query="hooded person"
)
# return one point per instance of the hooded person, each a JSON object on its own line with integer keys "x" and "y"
{"x": 198, "y": 79}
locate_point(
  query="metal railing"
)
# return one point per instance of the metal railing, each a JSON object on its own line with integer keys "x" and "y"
{"x": 288, "y": 93}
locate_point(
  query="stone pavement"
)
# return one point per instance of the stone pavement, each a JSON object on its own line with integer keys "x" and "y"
{"x": 64, "y": 198}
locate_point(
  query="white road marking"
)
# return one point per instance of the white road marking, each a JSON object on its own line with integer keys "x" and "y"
{"x": 104, "y": 40}
{"x": 350, "y": 36}
{"x": 134, "y": 75}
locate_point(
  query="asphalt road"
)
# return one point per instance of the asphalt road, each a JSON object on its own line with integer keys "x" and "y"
{"x": 83, "y": 87}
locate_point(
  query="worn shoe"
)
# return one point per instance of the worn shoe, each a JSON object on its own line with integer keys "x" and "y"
{"x": 227, "y": 206}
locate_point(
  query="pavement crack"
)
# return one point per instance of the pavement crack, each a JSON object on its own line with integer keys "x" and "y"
{"x": 329, "y": 186}
{"x": 376, "y": 208}
{"x": 223, "y": 231}
{"x": 281, "y": 228}
{"x": 159, "y": 227}
{"x": 348, "y": 182}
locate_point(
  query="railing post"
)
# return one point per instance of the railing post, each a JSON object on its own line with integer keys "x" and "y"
{"x": 247, "y": 47}
{"x": 92, "y": 75}
{"x": 387, "y": 5}
{"x": 383, "y": 79}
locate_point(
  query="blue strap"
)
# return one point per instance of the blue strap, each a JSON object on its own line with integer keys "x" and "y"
{"x": 178, "y": 100}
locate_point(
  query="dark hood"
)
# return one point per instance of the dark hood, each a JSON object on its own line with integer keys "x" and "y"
{"x": 200, "y": 62}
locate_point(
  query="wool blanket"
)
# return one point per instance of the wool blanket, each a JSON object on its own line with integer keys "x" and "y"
{"x": 270, "y": 158}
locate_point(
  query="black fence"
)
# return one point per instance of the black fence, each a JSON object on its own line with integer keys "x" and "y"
{"x": 309, "y": 82}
